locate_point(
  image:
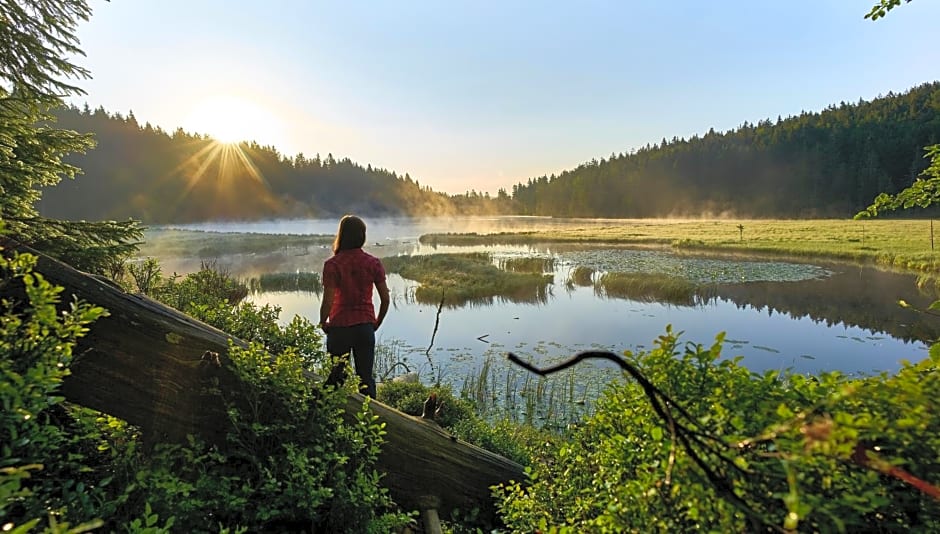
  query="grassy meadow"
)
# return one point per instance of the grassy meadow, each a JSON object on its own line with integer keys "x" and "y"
{"x": 904, "y": 244}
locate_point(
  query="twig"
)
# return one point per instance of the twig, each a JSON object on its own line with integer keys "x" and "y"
{"x": 437, "y": 322}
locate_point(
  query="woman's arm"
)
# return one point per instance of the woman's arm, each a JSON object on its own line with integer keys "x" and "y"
{"x": 383, "y": 302}
{"x": 326, "y": 304}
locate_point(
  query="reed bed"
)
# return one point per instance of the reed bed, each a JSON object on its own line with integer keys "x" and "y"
{"x": 582, "y": 276}
{"x": 501, "y": 391}
{"x": 527, "y": 264}
{"x": 170, "y": 242}
{"x": 650, "y": 287}
{"x": 297, "y": 281}
{"x": 458, "y": 279}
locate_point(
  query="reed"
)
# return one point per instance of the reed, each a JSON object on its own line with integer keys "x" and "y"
{"x": 548, "y": 403}
{"x": 650, "y": 287}
{"x": 527, "y": 265}
{"x": 581, "y": 276}
{"x": 467, "y": 278}
{"x": 298, "y": 281}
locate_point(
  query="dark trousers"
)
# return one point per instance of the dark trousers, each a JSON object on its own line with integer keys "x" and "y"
{"x": 360, "y": 340}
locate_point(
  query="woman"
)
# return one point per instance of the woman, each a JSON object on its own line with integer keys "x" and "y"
{"x": 346, "y": 312}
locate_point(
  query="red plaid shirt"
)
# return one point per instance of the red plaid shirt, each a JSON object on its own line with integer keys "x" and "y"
{"x": 353, "y": 273}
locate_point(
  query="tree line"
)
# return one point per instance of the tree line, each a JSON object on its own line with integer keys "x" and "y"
{"x": 142, "y": 172}
{"x": 817, "y": 164}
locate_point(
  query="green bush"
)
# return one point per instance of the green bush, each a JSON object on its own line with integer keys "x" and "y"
{"x": 409, "y": 398}
{"x": 459, "y": 417}
{"x": 46, "y": 457}
{"x": 291, "y": 463}
{"x": 749, "y": 453}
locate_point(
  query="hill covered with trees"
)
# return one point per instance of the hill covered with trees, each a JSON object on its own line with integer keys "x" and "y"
{"x": 828, "y": 163}
{"x": 817, "y": 164}
{"x": 142, "y": 172}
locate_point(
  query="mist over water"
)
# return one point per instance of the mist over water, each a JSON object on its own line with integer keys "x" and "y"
{"x": 825, "y": 317}
{"x": 402, "y": 228}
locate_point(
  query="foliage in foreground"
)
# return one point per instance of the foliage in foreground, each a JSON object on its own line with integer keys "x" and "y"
{"x": 459, "y": 417}
{"x": 290, "y": 461}
{"x": 45, "y": 453}
{"x": 783, "y": 452}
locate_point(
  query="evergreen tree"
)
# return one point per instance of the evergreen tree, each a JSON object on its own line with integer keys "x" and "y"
{"x": 36, "y": 37}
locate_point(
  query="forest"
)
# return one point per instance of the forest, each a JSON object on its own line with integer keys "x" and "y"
{"x": 830, "y": 163}
{"x": 143, "y": 172}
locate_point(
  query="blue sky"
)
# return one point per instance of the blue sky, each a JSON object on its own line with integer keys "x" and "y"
{"x": 483, "y": 95}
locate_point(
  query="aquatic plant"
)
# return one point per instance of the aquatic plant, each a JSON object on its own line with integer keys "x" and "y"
{"x": 467, "y": 278}
{"x": 649, "y": 287}
{"x": 296, "y": 281}
{"x": 527, "y": 264}
{"x": 582, "y": 275}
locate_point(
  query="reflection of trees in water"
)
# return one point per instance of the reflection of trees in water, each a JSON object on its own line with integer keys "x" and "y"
{"x": 861, "y": 297}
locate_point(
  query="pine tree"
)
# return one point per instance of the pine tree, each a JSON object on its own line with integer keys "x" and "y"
{"x": 36, "y": 37}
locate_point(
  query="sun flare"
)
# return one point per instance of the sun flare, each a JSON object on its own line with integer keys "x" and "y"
{"x": 231, "y": 120}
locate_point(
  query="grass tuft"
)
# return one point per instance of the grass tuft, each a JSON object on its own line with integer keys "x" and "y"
{"x": 649, "y": 287}
{"x": 299, "y": 281}
{"x": 467, "y": 278}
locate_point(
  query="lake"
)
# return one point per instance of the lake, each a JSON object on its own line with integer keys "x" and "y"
{"x": 808, "y": 317}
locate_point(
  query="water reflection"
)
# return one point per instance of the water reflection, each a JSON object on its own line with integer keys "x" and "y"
{"x": 854, "y": 296}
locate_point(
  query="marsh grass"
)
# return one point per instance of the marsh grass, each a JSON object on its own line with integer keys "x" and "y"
{"x": 527, "y": 265}
{"x": 902, "y": 244}
{"x": 467, "y": 278}
{"x": 501, "y": 391}
{"x": 651, "y": 287}
{"x": 582, "y": 276}
{"x": 297, "y": 281}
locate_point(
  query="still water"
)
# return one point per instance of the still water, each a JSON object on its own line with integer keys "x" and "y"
{"x": 775, "y": 314}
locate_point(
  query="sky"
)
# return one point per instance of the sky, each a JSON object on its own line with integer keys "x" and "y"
{"x": 482, "y": 95}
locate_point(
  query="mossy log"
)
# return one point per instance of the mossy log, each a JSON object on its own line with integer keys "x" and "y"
{"x": 151, "y": 365}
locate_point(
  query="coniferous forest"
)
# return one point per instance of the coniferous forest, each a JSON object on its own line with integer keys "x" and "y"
{"x": 143, "y": 172}
{"x": 818, "y": 164}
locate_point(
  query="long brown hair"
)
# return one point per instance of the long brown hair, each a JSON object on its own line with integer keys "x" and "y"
{"x": 350, "y": 235}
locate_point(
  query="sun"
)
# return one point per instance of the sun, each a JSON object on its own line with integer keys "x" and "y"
{"x": 231, "y": 120}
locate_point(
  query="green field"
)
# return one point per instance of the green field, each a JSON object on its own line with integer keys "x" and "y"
{"x": 903, "y": 244}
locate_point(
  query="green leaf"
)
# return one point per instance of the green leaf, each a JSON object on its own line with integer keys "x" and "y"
{"x": 656, "y": 433}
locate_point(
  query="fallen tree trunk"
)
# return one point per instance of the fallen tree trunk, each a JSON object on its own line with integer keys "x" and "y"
{"x": 151, "y": 365}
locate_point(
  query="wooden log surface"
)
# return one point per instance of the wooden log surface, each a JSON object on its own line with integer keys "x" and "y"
{"x": 145, "y": 363}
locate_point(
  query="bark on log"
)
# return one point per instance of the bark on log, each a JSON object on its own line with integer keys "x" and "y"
{"x": 145, "y": 363}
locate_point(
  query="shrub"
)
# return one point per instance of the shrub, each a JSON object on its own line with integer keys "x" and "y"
{"x": 740, "y": 452}
{"x": 44, "y": 468}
